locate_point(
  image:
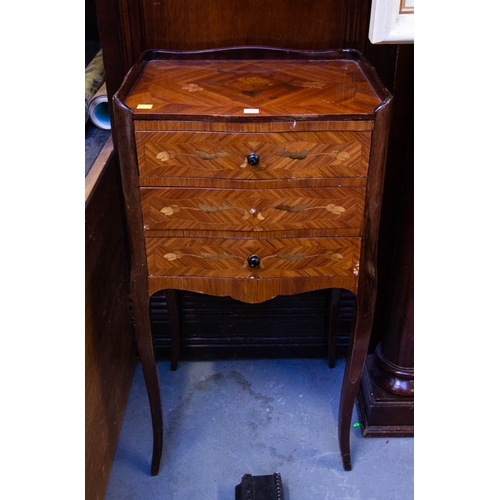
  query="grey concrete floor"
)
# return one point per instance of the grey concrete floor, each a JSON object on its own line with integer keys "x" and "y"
{"x": 224, "y": 419}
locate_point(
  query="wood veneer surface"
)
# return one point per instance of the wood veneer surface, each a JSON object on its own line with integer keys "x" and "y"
{"x": 227, "y": 258}
{"x": 252, "y": 210}
{"x": 209, "y": 23}
{"x": 284, "y": 155}
{"x": 204, "y": 88}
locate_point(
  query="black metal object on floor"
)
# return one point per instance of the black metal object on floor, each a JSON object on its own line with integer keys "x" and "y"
{"x": 260, "y": 487}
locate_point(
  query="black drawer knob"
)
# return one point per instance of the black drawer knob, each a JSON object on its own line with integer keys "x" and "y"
{"x": 253, "y": 261}
{"x": 253, "y": 159}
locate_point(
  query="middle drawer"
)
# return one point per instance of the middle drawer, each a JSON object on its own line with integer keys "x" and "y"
{"x": 252, "y": 210}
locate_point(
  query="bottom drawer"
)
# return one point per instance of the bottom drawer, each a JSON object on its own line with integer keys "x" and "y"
{"x": 245, "y": 258}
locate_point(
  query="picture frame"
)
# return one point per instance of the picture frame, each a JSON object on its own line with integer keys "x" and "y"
{"x": 391, "y": 21}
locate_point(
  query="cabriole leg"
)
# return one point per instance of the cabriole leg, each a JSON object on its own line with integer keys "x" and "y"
{"x": 358, "y": 348}
{"x": 140, "y": 303}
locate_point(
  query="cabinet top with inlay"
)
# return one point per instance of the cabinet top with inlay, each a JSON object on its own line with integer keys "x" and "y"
{"x": 331, "y": 85}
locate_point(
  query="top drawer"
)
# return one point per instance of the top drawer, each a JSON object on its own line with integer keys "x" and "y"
{"x": 292, "y": 155}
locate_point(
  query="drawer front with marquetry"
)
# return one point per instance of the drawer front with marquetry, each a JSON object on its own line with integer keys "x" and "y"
{"x": 252, "y": 210}
{"x": 245, "y": 258}
{"x": 253, "y": 156}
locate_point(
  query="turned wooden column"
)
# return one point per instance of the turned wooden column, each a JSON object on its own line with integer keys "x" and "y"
{"x": 385, "y": 398}
{"x": 393, "y": 366}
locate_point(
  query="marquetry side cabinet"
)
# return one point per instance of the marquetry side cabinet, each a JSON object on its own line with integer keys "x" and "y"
{"x": 252, "y": 173}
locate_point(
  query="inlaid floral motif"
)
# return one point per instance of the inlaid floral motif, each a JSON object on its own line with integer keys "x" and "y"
{"x": 293, "y": 155}
{"x": 171, "y": 256}
{"x": 204, "y": 255}
{"x": 212, "y": 209}
{"x": 217, "y": 256}
{"x": 335, "y": 209}
{"x": 300, "y": 256}
{"x": 295, "y": 256}
{"x": 297, "y": 155}
{"x": 343, "y": 155}
{"x": 355, "y": 271}
{"x": 211, "y": 156}
{"x": 170, "y": 210}
{"x": 313, "y": 85}
{"x": 334, "y": 256}
{"x": 253, "y": 212}
{"x": 302, "y": 155}
{"x": 192, "y": 87}
{"x": 294, "y": 209}
{"x": 253, "y": 80}
{"x": 204, "y": 155}
{"x": 165, "y": 155}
